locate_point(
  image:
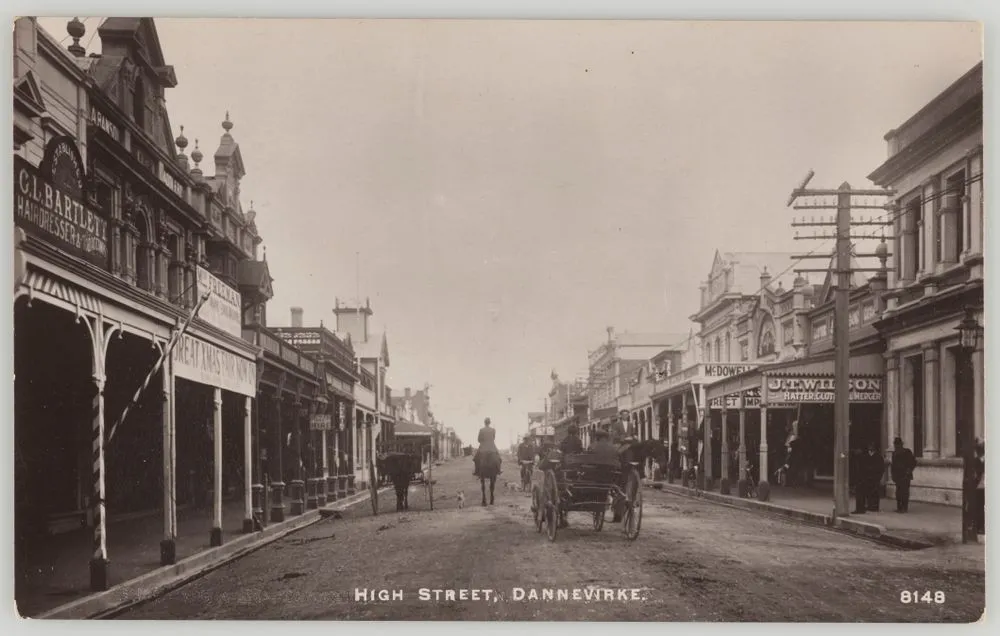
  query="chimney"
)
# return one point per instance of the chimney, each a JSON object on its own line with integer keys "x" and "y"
{"x": 296, "y": 317}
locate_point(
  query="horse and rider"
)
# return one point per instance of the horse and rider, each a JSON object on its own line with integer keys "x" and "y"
{"x": 487, "y": 459}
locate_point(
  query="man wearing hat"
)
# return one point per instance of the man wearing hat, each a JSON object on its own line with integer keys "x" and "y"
{"x": 603, "y": 450}
{"x": 901, "y": 469}
{"x": 571, "y": 444}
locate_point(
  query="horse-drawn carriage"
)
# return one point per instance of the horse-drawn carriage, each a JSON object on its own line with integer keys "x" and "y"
{"x": 408, "y": 454}
{"x": 400, "y": 462}
{"x": 578, "y": 483}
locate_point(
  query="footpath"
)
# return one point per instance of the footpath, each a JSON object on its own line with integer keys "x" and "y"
{"x": 925, "y": 525}
{"x": 165, "y": 578}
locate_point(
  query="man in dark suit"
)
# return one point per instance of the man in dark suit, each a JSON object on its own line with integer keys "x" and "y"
{"x": 901, "y": 469}
{"x": 870, "y": 469}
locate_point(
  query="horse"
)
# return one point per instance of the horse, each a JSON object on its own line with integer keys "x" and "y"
{"x": 489, "y": 468}
{"x": 398, "y": 468}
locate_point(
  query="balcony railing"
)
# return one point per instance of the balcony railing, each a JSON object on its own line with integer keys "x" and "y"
{"x": 273, "y": 344}
{"x": 319, "y": 341}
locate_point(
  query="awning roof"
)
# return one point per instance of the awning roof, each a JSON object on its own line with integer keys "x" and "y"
{"x": 820, "y": 366}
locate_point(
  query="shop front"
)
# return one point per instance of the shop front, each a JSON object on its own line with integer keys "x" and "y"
{"x": 329, "y": 425}
{"x": 681, "y": 405}
{"x": 789, "y": 407}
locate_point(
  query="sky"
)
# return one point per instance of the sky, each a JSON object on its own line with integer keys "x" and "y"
{"x": 504, "y": 191}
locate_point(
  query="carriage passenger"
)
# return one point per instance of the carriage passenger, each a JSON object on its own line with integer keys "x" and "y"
{"x": 571, "y": 444}
{"x": 603, "y": 451}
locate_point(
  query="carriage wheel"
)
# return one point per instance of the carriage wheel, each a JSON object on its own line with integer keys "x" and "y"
{"x": 599, "y": 519}
{"x": 633, "y": 506}
{"x": 537, "y": 509}
{"x": 551, "y": 499}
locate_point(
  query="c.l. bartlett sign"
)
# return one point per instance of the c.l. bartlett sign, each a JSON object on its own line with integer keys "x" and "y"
{"x": 203, "y": 362}
{"x": 799, "y": 390}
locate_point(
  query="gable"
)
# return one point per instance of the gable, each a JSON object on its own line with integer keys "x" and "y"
{"x": 141, "y": 34}
{"x": 28, "y": 95}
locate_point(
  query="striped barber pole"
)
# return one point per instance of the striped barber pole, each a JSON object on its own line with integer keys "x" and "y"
{"x": 100, "y": 546}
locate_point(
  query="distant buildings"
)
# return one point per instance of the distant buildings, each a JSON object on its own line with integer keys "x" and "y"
{"x": 758, "y": 367}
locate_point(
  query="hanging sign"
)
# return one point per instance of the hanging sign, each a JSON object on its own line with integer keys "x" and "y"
{"x": 51, "y": 212}
{"x": 341, "y": 416}
{"x": 223, "y": 308}
{"x": 202, "y": 362}
{"x": 320, "y": 422}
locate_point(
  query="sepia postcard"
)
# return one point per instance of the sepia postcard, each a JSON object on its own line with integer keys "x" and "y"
{"x": 498, "y": 320}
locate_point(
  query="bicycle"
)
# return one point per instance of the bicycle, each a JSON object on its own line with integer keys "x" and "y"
{"x": 526, "y": 468}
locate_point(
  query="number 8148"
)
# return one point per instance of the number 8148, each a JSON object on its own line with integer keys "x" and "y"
{"x": 909, "y": 597}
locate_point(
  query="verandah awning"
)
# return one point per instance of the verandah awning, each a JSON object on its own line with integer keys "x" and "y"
{"x": 65, "y": 295}
{"x": 866, "y": 371}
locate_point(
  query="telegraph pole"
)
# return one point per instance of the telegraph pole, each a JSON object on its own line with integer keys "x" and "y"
{"x": 841, "y": 323}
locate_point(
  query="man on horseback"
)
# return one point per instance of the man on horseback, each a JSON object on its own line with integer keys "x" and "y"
{"x": 487, "y": 445}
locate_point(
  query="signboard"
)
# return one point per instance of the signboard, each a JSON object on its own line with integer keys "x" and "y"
{"x": 751, "y": 397}
{"x": 341, "y": 416}
{"x": 320, "y": 422}
{"x": 223, "y": 308}
{"x": 801, "y": 390}
{"x": 55, "y": 213}
{"x": 202, "y": 362}
{"x": 105, "y": 123}
{"x": 726, "y": 369}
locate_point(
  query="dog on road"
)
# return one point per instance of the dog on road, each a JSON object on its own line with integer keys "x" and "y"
{"x": 461, "y": 498}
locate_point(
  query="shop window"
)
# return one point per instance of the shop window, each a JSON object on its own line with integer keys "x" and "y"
{"x": 965, "y": 409}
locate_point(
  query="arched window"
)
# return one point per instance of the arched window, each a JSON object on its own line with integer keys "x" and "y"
{"x": 708, "y": 352}
{"x": 729, "y": 351}
{"x": 765, "y": 342}
{"x": 718, "y": 349}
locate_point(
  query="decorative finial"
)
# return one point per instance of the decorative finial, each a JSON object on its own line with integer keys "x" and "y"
{"x": 196, "y": 155}
{"x": 76, "y": 29}
{"x": 265, "y": 253}
{"x": 227, "y": 125}
{"x": 181, "y": 141}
